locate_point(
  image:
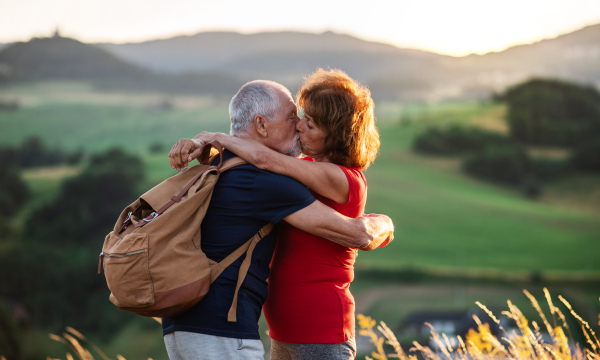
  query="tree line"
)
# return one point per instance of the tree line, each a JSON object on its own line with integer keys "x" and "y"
{"x": 47, "y": 265}
{"x": 541, "y": 112}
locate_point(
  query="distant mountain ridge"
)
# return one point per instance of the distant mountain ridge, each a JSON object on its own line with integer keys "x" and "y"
{"x": 219, "y": 62}
{"x": 209, "y": 49}
{"x": 390, "y": 71}
{"x": 574, "y": 56}
{"x": 281, "y": 56}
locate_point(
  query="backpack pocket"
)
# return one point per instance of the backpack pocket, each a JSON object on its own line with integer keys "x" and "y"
{"x": 127, "y": 271}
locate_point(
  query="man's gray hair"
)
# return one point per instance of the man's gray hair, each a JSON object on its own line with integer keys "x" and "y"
{"x": 258, "y": 97}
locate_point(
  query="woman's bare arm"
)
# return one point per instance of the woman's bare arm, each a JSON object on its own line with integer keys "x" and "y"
{"x": 326, "y": 179}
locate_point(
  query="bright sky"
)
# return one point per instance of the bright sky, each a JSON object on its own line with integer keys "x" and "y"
{"x": 453, "y": 27}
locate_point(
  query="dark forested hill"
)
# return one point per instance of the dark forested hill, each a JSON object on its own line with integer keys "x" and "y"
{"x": 60, "y": 57}
{"x": 64, "y": 58}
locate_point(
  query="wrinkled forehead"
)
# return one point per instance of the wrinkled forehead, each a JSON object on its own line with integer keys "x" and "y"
{"x": 286, "y": 102}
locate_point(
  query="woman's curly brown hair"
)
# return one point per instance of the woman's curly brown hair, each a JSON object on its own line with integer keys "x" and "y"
{"x": 344, "y": 109}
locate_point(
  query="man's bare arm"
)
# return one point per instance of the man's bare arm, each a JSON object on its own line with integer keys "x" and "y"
{"x": 366, "y": 233}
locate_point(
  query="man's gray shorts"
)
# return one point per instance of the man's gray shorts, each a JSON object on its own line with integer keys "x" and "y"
{"x": 182, "y": 345}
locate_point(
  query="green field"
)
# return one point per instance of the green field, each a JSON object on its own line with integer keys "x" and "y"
{"x": 444, "y": 219}
{"x": 73, "y": 116}
{"x": 447, "y": 223}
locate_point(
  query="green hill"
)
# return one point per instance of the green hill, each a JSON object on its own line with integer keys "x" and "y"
{"x": 68, "y": 59}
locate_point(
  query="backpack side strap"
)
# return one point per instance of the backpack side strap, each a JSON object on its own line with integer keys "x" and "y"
{"x": 248, "y": 248}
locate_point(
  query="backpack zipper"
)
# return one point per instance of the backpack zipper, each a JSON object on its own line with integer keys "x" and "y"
{"x": 103, "y": 254}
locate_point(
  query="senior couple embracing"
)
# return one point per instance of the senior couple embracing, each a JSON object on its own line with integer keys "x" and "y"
{"x": 301, "y": 272}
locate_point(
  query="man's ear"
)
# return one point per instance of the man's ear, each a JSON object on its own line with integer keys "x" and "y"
{"x": 261, "y": 125}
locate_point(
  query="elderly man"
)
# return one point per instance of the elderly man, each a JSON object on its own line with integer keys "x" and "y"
{"x": 245, "y": 199}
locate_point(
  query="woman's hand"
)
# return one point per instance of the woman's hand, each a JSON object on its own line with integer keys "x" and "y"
{"x": 186, "y": 150}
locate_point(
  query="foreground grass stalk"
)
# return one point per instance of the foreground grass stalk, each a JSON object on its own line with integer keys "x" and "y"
{"x": 524, "y": 342}
{"x": 77, "y": 344}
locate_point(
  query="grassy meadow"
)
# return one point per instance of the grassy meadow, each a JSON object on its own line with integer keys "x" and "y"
{"x": 448, "y": 225}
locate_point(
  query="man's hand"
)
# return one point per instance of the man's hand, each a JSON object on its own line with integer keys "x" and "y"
{"x": 365, "y": 233}
{"x": 383, "y": 226}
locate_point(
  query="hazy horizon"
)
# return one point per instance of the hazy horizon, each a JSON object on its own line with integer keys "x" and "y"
{"x": 458, "y": 28}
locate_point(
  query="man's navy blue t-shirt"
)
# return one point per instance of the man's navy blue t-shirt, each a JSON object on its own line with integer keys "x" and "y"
{"x": 244, "y": 199}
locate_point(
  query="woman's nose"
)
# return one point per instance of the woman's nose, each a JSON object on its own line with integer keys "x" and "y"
{"x": 299, "y": 123}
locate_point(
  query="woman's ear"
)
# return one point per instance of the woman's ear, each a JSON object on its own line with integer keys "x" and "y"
{"x": 261, "y": 125}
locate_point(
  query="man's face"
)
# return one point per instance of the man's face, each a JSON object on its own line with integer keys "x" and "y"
{"x": 282, "y": 128}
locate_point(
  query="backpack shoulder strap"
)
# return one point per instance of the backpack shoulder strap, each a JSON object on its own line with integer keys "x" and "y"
{"x": 231, "y": 163}
{"x": 247, "y": 247}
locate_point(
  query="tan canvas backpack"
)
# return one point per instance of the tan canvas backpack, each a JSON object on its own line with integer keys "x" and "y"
{"x": 153, "y": 260}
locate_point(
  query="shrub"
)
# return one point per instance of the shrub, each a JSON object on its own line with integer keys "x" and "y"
{"x": 457, "y": 140}
{"x": 156, "y": 147}
{"x": 586, "y": 156}
{"x": 34, "y": 153}
{"x": 13, "y": 191}
{"x": 503, "y": 164}
{"x": 552, "y": 112}
{"x": 550, "y": 169}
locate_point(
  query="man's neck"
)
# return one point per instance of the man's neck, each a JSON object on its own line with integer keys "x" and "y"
{"x": 250, "y": 136}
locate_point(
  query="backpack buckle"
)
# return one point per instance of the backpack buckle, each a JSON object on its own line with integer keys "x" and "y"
{"x": 151, "y": 217}
{"x": 126, "y": 222}
{"x": 147, "y": 219}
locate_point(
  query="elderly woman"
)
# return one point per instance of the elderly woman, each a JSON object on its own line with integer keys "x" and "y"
{"x": 309, "y": 309}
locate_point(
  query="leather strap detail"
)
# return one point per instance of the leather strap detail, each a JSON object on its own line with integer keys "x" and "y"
{"x": 248, "y": 248}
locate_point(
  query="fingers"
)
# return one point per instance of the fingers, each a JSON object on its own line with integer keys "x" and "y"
{"x": 196, "y": 153}
{"x": 175, "y": 157}
{"x": 178, "y": 156}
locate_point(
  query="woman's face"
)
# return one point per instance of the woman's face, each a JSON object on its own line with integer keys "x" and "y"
{"x": 312, "y": 138}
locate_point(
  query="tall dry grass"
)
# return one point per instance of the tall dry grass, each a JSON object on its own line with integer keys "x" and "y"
{"x": 524, "y": 342}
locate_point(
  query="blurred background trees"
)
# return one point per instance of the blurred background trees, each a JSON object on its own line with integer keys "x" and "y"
{"x": 541, "y": 112}
{"x": 50, "y": 262}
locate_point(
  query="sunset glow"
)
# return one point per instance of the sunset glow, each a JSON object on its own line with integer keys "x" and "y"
{"x": 456, "y": 28}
